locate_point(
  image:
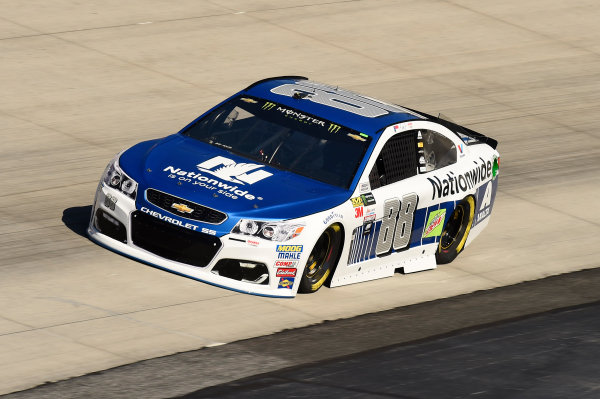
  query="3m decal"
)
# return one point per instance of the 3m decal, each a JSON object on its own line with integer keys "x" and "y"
{"x": 434, "y": 225}
{"x": 286, "y": 282}
{"x": 286, "y": 272}
{"x": 227, "y": 169}
{"x": 396, "y": 225}
{"x": 358, "y": 212}
{"x": 451, "y": 184}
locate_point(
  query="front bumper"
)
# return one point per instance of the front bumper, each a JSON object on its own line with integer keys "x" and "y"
{"x": 117, "y": 224}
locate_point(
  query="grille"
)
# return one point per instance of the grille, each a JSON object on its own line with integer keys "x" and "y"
{"x": 110, "y": 226}
{"x": 201, "y": 213}
{"x": 172, "y": 242}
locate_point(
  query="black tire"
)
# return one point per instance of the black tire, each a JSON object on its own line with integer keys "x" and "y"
{"x": 322, "y": 260}
{"x": 454, "y": 236}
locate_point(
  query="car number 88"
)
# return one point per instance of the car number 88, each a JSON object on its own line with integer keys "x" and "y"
{"x": 396, "y": 225}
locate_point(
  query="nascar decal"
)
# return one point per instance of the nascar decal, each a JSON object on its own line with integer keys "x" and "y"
{"x": 451, "y": 184}
{"x": 224, "y": 169}
{"x": 286, "y": 282}
{"x": 292, "y": 252}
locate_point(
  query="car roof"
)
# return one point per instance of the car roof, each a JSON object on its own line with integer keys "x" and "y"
{"x": 370, "y": 116}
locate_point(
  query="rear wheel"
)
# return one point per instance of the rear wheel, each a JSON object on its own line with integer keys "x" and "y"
{"x": 454, "y": 236}
{"x": 321, "y": 260}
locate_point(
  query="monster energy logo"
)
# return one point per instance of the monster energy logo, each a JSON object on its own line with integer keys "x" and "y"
{"x": 333, "y": 128}
{"x": 268, "y": 105}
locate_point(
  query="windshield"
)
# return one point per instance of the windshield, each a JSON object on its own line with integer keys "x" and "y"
{"x": 284, "y": 138}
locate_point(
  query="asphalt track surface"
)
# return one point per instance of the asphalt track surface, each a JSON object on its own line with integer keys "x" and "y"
{"x": 81, "y": 81}
{"x": 539, "y": 339}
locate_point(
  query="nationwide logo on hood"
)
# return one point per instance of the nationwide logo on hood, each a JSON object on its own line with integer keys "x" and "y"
{"x": 224, "y": 169}
{"x": 227, "y": 169}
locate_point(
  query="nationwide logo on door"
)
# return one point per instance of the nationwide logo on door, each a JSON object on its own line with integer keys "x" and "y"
{"x": 239, "y": 173}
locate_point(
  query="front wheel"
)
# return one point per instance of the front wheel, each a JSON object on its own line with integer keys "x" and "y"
{"x": 321, "y": 260}
{"x": 454, "y": 236}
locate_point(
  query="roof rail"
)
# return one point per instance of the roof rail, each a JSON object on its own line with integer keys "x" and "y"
{"x": 276, "y": 78}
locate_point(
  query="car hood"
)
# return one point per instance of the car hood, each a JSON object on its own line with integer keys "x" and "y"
{"x": 207, "y": 175}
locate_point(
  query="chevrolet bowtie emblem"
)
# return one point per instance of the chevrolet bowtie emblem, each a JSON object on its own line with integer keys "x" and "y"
{"x": 183, "y": 208}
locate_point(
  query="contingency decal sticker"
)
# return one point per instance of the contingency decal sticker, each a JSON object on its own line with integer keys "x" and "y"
{"x": 434, "y": 225}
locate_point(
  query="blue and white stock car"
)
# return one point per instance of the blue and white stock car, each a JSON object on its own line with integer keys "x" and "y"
{"x": 291, "y": 184}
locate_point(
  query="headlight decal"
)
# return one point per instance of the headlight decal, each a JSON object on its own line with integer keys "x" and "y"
{"x": 114, "y": 177}
{"x": 274, "y": 231}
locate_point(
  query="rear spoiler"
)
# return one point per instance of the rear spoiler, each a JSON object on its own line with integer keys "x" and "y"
{"x": 461, "y": 131}
{"x": 276, "y": 78}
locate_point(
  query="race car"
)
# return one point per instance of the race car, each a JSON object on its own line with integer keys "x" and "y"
{"x": 291, "y": 184}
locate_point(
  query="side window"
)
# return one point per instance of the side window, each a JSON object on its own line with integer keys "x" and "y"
{"x": 396, "y": 161}
{"x": 438, "y": 150}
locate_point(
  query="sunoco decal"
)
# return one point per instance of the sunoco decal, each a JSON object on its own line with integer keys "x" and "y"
{"x": 286, "y": 282}
{"x": 451, "y": 184}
